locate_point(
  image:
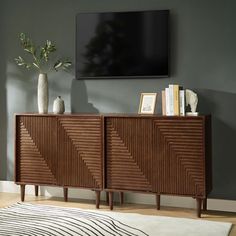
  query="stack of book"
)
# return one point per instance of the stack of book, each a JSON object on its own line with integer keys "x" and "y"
{"x": 173, "y": 101}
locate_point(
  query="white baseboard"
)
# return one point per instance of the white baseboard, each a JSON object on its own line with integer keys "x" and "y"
{"x": 173, "y": 201}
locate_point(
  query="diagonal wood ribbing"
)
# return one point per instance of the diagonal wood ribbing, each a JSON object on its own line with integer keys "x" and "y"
{"x": 128, "y": 154}
{"x": 80, "y": 151}
{"x": 32, "y": 167}
{"x": 179, "y": 156}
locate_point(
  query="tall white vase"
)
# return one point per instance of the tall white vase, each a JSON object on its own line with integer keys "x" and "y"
{"x": 43, "y": 93}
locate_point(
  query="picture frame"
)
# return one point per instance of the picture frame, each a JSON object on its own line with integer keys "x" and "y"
{"x": 147, "y": 103}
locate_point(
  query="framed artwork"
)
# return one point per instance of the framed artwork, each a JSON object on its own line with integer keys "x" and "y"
{"x": 147, "y": 103}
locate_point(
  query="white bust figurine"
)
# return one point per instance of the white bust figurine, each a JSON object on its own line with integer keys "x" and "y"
{"x": 192, "y": 100}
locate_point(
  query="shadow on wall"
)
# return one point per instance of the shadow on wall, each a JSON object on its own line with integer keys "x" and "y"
{"x": 79, "y": 98}
{"x": 222, "y": 107}
{"x": 21, "y": 97}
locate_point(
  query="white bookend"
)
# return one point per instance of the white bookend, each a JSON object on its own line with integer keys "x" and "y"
{"x": 182, "y": 102}
{"x": 167, "y": 101}
{"x": 171, "y": 99}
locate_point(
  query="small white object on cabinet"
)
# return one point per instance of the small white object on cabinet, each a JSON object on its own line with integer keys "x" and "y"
{"x": 192, "y": 100}
{"x": 182, "y": 102}
{"x": 58, "y": 106}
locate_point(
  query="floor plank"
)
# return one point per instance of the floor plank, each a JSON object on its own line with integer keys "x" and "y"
{"x": 7, "y": 199}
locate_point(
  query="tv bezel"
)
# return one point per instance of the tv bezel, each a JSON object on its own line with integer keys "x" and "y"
{"x": 125, "y": 76}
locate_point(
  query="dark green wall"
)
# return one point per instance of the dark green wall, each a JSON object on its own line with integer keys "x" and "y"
{"x": 3, "y": 123}
{"x": 203, "y": 58}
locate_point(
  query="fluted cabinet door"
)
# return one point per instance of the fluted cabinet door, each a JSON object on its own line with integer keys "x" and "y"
{"x": 179, "y": 155}
{"x": 128, "y": 155}
{"x": 80, "y": 151}
{"x": 36, "y": 150}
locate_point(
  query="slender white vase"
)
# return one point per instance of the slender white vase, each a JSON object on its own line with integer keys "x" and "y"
{"x": 43, "y": 93}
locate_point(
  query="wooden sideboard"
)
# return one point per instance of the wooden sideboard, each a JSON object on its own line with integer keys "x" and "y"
{"x": 116, "y": 153}
{"x": 59, "y": 151}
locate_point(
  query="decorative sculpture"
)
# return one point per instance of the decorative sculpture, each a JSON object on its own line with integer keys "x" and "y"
{"x": 192, "y": 100}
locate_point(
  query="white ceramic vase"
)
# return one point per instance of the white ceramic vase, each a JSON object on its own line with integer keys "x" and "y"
{"x": 58, "y": 106}
{"x": 43, "y": 93}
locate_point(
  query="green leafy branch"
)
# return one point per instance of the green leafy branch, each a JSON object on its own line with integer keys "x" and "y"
{"x": 63, "y": 64}
{"x": 40, "y": 55}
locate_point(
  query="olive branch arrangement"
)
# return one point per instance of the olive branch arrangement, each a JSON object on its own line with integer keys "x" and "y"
{"x": 40, "y": 56}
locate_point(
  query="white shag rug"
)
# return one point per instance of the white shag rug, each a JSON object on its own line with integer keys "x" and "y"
{"x": 33, "y": 219}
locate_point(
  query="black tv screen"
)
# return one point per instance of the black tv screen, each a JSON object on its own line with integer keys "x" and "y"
{"x": 122, "y": 44}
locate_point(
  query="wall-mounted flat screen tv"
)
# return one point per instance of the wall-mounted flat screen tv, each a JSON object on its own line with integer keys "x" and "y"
{"x": 122, "y": 44}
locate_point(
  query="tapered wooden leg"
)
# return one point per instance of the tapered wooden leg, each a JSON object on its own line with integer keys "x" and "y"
{"x": 111, "y": 200}
{"x": 22, "y": 192}
{"x": 36, "y": 188}
{"x": 121, "y": 197}
{"x": 158, "y": 201}
{"x": 65, "y": 191}
{"x": 107, "y": 198}
{"x": 199, "y": 207}
{"x": 204, "y": 207}
{"x": 97, "y": 199}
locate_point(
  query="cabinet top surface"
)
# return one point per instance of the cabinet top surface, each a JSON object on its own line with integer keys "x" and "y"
{"x": 109, "y": 115}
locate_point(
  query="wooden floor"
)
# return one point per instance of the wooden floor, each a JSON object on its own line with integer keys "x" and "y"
{"x": 7, "y": 199}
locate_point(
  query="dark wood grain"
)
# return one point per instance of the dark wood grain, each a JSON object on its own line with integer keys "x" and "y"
{"x": 36, "y": 188}
{"x": 158, "y": 201}
{"x": 65, "y": 194}
{"x": 97, "y": 198}
{"x": 22, "y": 192}
{"x": 59, "y": 151}
{"x": 116, "y": 153}
{"x": 129, "y": 153}
{"x": 80, "y": 151}
{"x": 162, "y": 155}
{"x": 36, "y": 159}
{"x": 111, "y": 200}
{"x": 199, "y": 207}
{"x": 179, "y": 156}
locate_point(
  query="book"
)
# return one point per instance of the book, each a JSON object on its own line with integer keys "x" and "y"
{"x": 167, "y": 101}
{"x": 182, "y": 102}
{"x": 176, "y": 99}
{"x": 171, "y": 99}
{"x": 163, "y": 98}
